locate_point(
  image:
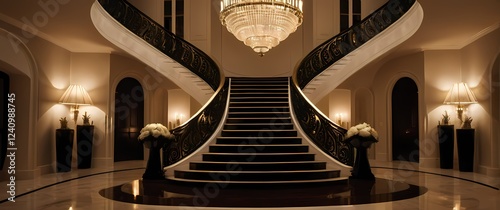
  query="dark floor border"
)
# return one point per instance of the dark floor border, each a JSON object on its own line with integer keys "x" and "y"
{"x": 438, "y": 174}
{"x": 131, "y": 169}
{"x": 72, "y": 179}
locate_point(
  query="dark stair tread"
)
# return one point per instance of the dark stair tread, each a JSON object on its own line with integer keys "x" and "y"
{"x": 339, "y": 180}
{"x": 257, "y": 166}
{"x": 262, "y": 172}
{"x": 258, "y": 175}
{"x": 261, "y": 148}
{"x": 260, "y": 140}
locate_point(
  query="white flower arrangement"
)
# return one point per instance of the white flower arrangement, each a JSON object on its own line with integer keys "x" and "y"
{"x": 363, "y": 130}
{"x": 154, "y": 129}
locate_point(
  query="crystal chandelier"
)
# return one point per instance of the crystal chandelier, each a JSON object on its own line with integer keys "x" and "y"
{"x": 261, "y": 24}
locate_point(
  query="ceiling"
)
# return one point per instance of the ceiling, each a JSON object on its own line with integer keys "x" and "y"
{"x": 448, "y": 24}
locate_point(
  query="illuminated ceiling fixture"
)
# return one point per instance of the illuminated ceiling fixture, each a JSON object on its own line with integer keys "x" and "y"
{"x": 261, "y": 24}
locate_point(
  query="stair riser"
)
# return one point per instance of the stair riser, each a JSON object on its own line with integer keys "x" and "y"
{"x": 273, "y": 120}
{"x": 259, "y": 99}
{"x": 259, "y": 109}
{"x": 256, "y": 176}
{"x": 258, "y": 149}
{"x": 257, "y": 158}
{"x": 254, "y": 141}
{"x": 258, "y": 104}
{"x": 258, "y": 166}
{"x": 269, "y": 126}
{"x": 259, "y": 133}
{"x": 251, "y": 90}
{"x": 258, "y": 115}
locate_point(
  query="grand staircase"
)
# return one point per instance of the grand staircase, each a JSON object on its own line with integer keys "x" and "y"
{"x": 259, "y": 143}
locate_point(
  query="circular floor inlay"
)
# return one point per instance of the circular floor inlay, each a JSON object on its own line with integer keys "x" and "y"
{"x": 216, "y": 195}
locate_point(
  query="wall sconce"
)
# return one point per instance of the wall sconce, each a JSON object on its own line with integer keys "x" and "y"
{"x": 75, "y": 96}
{"x": 460, "y": 95}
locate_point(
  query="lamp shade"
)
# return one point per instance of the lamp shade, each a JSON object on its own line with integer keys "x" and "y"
{"x": 75, "y": 95}
{"x": 460, "y": 94}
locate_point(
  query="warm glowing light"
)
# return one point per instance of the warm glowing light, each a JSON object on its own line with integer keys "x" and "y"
{"x": 261, "y": 24}
{"x": 135, "y": 188}
{"x": 460, "y": 95}
{"x": 75, "y": 96}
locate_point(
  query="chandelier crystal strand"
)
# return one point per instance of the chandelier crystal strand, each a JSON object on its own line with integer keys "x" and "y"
{"x": 261, "y": 24}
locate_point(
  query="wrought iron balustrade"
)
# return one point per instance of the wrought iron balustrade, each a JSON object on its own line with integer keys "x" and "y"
{"x": 349, "y": 40}
{"x": 157, "y": 36}
{"x": 198, "y": 130}
{"x": 328, "y": 136}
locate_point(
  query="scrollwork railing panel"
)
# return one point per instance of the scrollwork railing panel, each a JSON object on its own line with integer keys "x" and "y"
{"x": 168, "y": 43}
{"x": 192, "y": 135}
{"x": 347, "y": 41}
{"x": 328, "y": 136}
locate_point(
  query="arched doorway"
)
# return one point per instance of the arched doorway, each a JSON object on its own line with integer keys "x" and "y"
{"x": 405, "y": 133}
{"x": 4, "y": 91}
{"x": 495, "y": 107}
{"x": 129, "y": 120}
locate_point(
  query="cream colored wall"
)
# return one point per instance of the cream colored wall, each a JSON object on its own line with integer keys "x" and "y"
{"x": 152, "y": 8}
{"x": 478, "y": 60}
{"x": 91, "y": 70}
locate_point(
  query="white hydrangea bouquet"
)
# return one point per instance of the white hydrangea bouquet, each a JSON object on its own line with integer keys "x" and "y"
{"x": 153, "y": 130}
{"x": 362, "y": 131}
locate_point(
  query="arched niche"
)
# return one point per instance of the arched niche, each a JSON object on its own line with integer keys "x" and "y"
{"x": 17, "y": 61}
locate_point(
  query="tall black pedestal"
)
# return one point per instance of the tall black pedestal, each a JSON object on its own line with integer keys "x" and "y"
{"x": 64, "y": 149}
{"x": 465, "y": 146}
{"x": 446, "y": 143}
{"x": 84, "y": 142}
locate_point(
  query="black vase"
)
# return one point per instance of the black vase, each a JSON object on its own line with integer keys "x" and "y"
{"x": 64, "y": 149}
{"x": 84, "y": 142}
{"x": 361, "y": 168}
{"x": 154, "y": 170}
{"x": 446, "y": 144}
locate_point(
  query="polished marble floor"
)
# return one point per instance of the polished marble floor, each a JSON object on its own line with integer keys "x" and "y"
{"x": 83, "y": 189}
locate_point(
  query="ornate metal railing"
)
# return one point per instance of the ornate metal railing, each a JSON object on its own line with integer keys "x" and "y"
{"x": 328, "y": 136}
{"x": 347, "y": 41}
{"x": 193, "y": 134}
{"x": 171, "y": 45}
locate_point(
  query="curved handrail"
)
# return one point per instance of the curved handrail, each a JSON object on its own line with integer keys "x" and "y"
{"x": 325, "y": 134}
{"x": 349, "y": 40}
{"x": 168, "y": 43}
{"x": 191, "y": 135}
{"x": 328, "y": 136}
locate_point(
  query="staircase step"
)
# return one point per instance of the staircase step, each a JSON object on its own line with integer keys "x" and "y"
{"x": 258, "y": 87}
{"x": 258, "y": 99}
{"x": 259, "y": 109}
{"x": 257, "y": 157}
{"x": 249, "y": 148}
{"x": 258, "y": 184}
{"x": 259, "y": 120}
{"x": 258, "y": 140}
{"x": 258, "y": 126}
{"x": 258, "y": 104}
{"x": 258, "y": 133}
{"x": 258, "y": 95}
{"x": 257, "y": 175}
{"x": 257, "y": 166}
{"x": 258, "y": 115}
{"x": 283, "y": 90}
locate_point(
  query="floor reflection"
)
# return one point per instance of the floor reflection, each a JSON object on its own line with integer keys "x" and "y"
{"x": 353, "y": 192}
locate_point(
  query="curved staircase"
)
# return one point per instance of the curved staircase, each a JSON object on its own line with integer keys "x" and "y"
{"x": 259, "y": 143}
